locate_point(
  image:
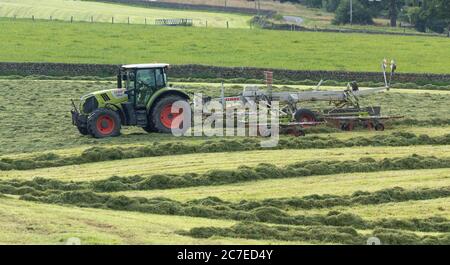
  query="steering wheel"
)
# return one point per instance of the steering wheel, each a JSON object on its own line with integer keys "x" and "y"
{"x": 143, "y": 84}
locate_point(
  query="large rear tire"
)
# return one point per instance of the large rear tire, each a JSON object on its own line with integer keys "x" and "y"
{"x": 104, "y": 123}
{"x": 163, "y": 119}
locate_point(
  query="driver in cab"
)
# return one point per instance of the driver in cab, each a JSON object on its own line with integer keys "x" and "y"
{"x": 145, "y": 84}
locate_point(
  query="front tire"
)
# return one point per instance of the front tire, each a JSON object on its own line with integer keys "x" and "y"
{"x": 104, "y": 123}
{"x": 83, "y": 130}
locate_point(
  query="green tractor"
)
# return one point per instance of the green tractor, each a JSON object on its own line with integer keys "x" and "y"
{"x": 142, "y": 99}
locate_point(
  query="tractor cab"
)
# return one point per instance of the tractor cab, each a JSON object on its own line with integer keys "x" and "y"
{"x": 142, "y": 98}
{"x": 141, "y": 81}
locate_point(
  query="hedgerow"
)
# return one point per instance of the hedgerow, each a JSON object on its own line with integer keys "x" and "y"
{"x": 97, "y": 154}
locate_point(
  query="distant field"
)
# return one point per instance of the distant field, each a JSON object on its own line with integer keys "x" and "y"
{"x": 103, "y": 12}
{"x": 105, "y": 43}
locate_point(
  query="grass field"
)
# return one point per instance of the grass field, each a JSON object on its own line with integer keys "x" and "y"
{"x": 35, "y": 123}
{"x": 43, "y": 41}
{"x": 34, "y": 223}
{"x": 402, "y": 204}
{"x": 103, "y": 12}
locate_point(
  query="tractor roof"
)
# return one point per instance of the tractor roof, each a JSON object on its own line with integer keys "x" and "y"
{"x": 145, "y": 66}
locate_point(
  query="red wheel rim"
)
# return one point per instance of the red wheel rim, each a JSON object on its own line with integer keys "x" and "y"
{"x": 167, "y": 117}
{"x": 105, "y": 124}
{"x": 306, "y": 118}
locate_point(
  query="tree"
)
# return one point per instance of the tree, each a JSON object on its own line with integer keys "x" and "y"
{"x": 433, "y": 15}
{"x": 393, "y": 12}
{"x": 361, "y": 14}
{"x": 331, "y": 5}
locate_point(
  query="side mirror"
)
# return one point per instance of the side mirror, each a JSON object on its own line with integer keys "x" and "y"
{"x": 124, "y": 77}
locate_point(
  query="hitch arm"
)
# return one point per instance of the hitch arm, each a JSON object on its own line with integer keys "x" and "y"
{"x": 74, "y": 106}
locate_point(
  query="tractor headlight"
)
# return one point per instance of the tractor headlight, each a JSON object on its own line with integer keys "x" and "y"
{"x": 90, "y": 104}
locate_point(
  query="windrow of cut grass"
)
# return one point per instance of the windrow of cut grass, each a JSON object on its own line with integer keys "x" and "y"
{"x": 25, "y": 222}
{"x": 27, "y": 124}
{"x": 241, "y": 174}
{"x": 342, "y": 235}
{"x": 266, "y": 214}
{"x": 97, "y": 154}
{"x": 43, "y": 187}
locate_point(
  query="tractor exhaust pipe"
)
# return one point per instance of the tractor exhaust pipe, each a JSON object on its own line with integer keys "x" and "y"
{"x": 119, "y": 80}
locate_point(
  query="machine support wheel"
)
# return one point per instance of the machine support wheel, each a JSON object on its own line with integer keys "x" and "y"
{"x": 379, "y": 127}
{"x": 305, "y": 115}
{"x": 104, "y": 123}
{"x": 347, "y": 126}
{"x": 369, "y": 125}
{"x": 162, "y": 117}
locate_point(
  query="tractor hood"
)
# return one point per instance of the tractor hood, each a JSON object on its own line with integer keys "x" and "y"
{"x": 101, "y": 99}
{"x": 116, "y": 94}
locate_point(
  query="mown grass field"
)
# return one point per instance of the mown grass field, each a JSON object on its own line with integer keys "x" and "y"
{"x": 36, "y": 123}
{"x": 340, "y": 188}
{"x": 103, "y": 12}
{"x": 44, "y": 41}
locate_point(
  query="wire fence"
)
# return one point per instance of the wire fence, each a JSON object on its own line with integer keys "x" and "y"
{"x": 185, "y": 22}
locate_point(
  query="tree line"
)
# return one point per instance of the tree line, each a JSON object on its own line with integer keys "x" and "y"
{"x": 424, "y": 15}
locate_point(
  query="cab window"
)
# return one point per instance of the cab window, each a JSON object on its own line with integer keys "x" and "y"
{"x": 160, "y": 78}
{"x": 146, "y": 77}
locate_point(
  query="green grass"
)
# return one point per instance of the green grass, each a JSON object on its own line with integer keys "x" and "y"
{"x": 106, "y": 43}
{"x": 34, "y": 223}
{"x": 203, "y": 162}
{"x": 338, "y": 184}
{"x": 403, "y": 210}
{"x": 34, "y": 123}
{"x": 103, "y": 12}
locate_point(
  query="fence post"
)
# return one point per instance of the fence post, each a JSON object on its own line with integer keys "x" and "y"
{"x": 112, "y": 20}
{"x": 228, "y": 26}
{"x": 50, "y": 18}
{"x": 71, "y": 19}
{"x": 32, "y": 17}
{"x": 128, "y": 20}
{"x": 145, "y": 21}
